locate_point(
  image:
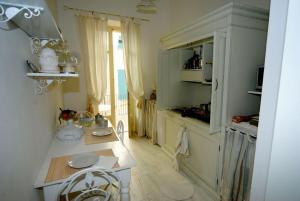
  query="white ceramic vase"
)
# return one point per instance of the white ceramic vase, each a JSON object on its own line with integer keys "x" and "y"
{"x": 49, "y": 61}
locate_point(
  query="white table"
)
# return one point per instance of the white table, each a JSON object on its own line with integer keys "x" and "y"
{"x": 57, "y": 148}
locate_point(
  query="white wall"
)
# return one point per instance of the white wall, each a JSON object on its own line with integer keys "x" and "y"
{"x": 276, "y": 175}
{"x": 151, "y": 32}
{"x": 284, "y": 170}
{"x": 27, "y": 121}
{"x": 187, "y": 11}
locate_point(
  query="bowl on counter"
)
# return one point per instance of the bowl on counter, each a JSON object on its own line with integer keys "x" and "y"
{"x": 85, "y": 119}
{"x": 69, "y": 133}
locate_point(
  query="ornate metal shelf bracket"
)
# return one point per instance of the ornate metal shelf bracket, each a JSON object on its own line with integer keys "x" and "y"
{"x": 10, "y": 10}
{"x": 41, "y": 86}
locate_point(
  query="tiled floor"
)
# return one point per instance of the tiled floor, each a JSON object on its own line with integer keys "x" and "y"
{"x": 151, "y": 165}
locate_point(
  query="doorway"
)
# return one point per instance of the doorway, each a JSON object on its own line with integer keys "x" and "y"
{"x": 115, "y": 104}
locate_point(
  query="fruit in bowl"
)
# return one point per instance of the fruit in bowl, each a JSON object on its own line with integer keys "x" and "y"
{"x": 67, "y": 115}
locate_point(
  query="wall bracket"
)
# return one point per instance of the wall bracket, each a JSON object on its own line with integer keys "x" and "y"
{"x": 10, "y": 10}
{"x": 41, "y": 87}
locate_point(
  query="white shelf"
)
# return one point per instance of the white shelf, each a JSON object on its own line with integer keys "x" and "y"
{"x": 43, "y": 80}
{"x": 194, "y": 75}
{"x": 52, "y": 76}
{"x": 196, "y": 69}
{"x": 254, "y": 92}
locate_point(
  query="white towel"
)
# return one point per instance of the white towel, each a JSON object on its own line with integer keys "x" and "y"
{"x": 182, "y": 146}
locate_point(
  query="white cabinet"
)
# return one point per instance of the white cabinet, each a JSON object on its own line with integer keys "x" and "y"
{"x": 238, "y": 35}
{"x": 217, "y": 81}
{"x": 204, "y": 159}
{"x": 160, "y": 123}
{"x": 172, "y": 127}
{"x": 173, "y": 91}
{"x": 203, "y": 163}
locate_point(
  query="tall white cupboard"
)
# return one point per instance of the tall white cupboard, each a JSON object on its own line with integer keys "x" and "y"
{"x": 237, "y": 35}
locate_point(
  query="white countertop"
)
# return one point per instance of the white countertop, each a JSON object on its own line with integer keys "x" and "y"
{"x": 58, "y": 148}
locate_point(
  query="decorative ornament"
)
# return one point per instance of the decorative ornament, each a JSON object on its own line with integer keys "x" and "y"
{"x": 10, "y": 10}
{"x": 146, "y": 7}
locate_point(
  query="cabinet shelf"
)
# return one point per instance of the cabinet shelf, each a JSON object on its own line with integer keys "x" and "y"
{"x": 258, "y": 93}
{"x": 194, "y": 75}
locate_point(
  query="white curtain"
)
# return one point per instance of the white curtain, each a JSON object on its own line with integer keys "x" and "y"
{"x": 130, "y": 32}
{"x": 94, "y": 46}
{"x": 238, "y": 162}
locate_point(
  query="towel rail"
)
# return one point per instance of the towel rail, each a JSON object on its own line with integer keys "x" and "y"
{"x": 251, "y": 138}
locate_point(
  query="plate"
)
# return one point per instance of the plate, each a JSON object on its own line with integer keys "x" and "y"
{"x": 103, "y": 131}
{"x": 83, "y": 160}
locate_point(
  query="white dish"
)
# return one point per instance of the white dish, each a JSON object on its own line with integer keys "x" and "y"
{"x": 83, "y": 160}
{"x": 103, "y": 131}
{"x": 69, "y": 133}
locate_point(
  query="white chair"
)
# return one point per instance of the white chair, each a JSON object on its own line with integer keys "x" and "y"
{"x": 92, "y": 184}
{"x": 120, "y": 130}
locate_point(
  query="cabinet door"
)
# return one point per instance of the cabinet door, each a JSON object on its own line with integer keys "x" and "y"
{"x": 219, "y": 51}
{"x": 204, "y": 156}
{"x": 162, "y": 79}
{"x": 172, "y": 129}
{"x": 171, "y": 91}
{"x": 161, "y": 123}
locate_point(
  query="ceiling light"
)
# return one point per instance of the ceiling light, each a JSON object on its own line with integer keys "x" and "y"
{"x": 147, "y": 7}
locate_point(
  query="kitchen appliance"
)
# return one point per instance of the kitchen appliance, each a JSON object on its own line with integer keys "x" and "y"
{"x": 201, "y": 112}
{"x": 259, "y": 77}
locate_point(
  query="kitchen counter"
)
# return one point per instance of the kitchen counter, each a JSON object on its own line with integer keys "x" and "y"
{"x": 188, "y": 120}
